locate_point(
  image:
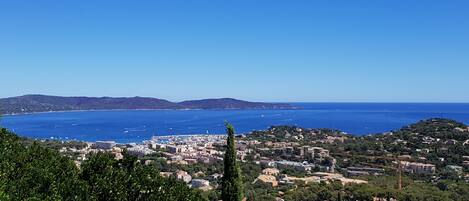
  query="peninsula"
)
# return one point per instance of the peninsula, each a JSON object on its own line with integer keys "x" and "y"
{"x": 44, "y": 103}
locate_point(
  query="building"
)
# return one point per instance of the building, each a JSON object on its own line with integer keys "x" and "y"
{"x": 316, "y": 152}
{"x": 357, "y": 171}
{"x": 418, "y": 168}
{"x": 268, "y": 179}
{"x": 173, "y": 149}
{"x": 139, "y": 150}
{"x": 271, "y": 171}
{"x": 198, "y": 183}
{"x": 104, "y": 144}
{"x": 294, "y": 165}
{"x": 329, "y": 177}
{"x": 183, "y": 176}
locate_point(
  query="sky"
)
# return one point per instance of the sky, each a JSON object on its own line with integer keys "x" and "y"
{"x": 275, "y": 51}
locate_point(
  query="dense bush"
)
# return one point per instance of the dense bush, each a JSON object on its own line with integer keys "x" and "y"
{"x": 36, "y": 173}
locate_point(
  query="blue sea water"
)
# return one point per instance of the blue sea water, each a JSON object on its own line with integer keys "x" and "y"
{"x": 137, "y": 125}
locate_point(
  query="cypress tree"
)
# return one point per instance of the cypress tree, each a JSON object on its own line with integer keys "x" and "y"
{"x": 232, "y": 184}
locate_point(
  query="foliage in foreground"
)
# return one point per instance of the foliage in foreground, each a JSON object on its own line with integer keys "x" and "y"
{"x": 37, "y": 173}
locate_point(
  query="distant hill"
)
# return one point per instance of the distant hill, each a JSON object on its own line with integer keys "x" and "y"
{"x": 44, "y": 103}
{"x": 230, "y": 103}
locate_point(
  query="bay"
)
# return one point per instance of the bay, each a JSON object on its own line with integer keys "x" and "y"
{"x": 136, "y": 125}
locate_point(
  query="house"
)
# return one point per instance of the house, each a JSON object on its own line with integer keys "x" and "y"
{"x": 317, "y": 152}
{"x": 271, "y": 171}
{"x": 183, "y": 176}
{"x": 267, "y": 179}
{"x": 197, "y": 183}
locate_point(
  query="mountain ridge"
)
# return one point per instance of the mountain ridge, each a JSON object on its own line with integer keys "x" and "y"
{"x": 32, "y": 103}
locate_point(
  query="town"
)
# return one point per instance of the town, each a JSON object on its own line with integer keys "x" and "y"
{"x": 291, "y": 156}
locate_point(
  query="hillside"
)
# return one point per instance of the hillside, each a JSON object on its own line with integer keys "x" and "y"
{"x": 43, "y": 103}
{"x": 429, "y": 131}
{"x": 436, "y": 141}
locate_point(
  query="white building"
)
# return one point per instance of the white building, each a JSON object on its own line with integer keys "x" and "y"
{"x": 183, "y": 176}
{"x": 139, "y": 150}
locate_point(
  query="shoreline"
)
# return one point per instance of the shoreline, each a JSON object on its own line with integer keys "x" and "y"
{"x": 129, "y": 142}
{"x": 104, "y": 110}
{"x": 91, "y": 110}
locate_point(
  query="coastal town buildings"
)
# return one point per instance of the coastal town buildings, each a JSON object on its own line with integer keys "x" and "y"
{"x": 418, "y": 168}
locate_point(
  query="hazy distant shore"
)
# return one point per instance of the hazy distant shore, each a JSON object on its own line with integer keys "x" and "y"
{"x": 101, "y": 110}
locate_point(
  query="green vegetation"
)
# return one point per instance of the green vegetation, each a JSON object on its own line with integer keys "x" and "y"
{"x": 33, "y": 172}
{"x": 433, "y": 141}
{"x": 232, "y": 186}
{"x": 380, "y": 188}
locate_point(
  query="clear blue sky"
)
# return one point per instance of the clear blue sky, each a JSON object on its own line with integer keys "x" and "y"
{"x": 376, "y": 50}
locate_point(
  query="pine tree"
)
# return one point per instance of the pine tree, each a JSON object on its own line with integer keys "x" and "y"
{"x": 232, "y": 185}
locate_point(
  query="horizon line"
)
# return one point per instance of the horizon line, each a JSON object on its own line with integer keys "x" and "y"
{"x": 297, "y": 102}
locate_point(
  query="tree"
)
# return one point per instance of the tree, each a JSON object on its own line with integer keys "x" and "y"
{"x": 232, "y": 185}
{"x": 36, "y": 173}
{"x": 33, "y": 172}
{"x": 127, "y": 179}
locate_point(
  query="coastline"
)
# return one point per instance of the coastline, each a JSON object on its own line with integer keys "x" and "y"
{"x": 353, "y": 120}
{"x": 158, "y": 137}
{"x": 104, "y": 110}
{"x": 91, "y": 110}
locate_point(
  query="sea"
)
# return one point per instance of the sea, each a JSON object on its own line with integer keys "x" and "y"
{"x": 126, "y": 126}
